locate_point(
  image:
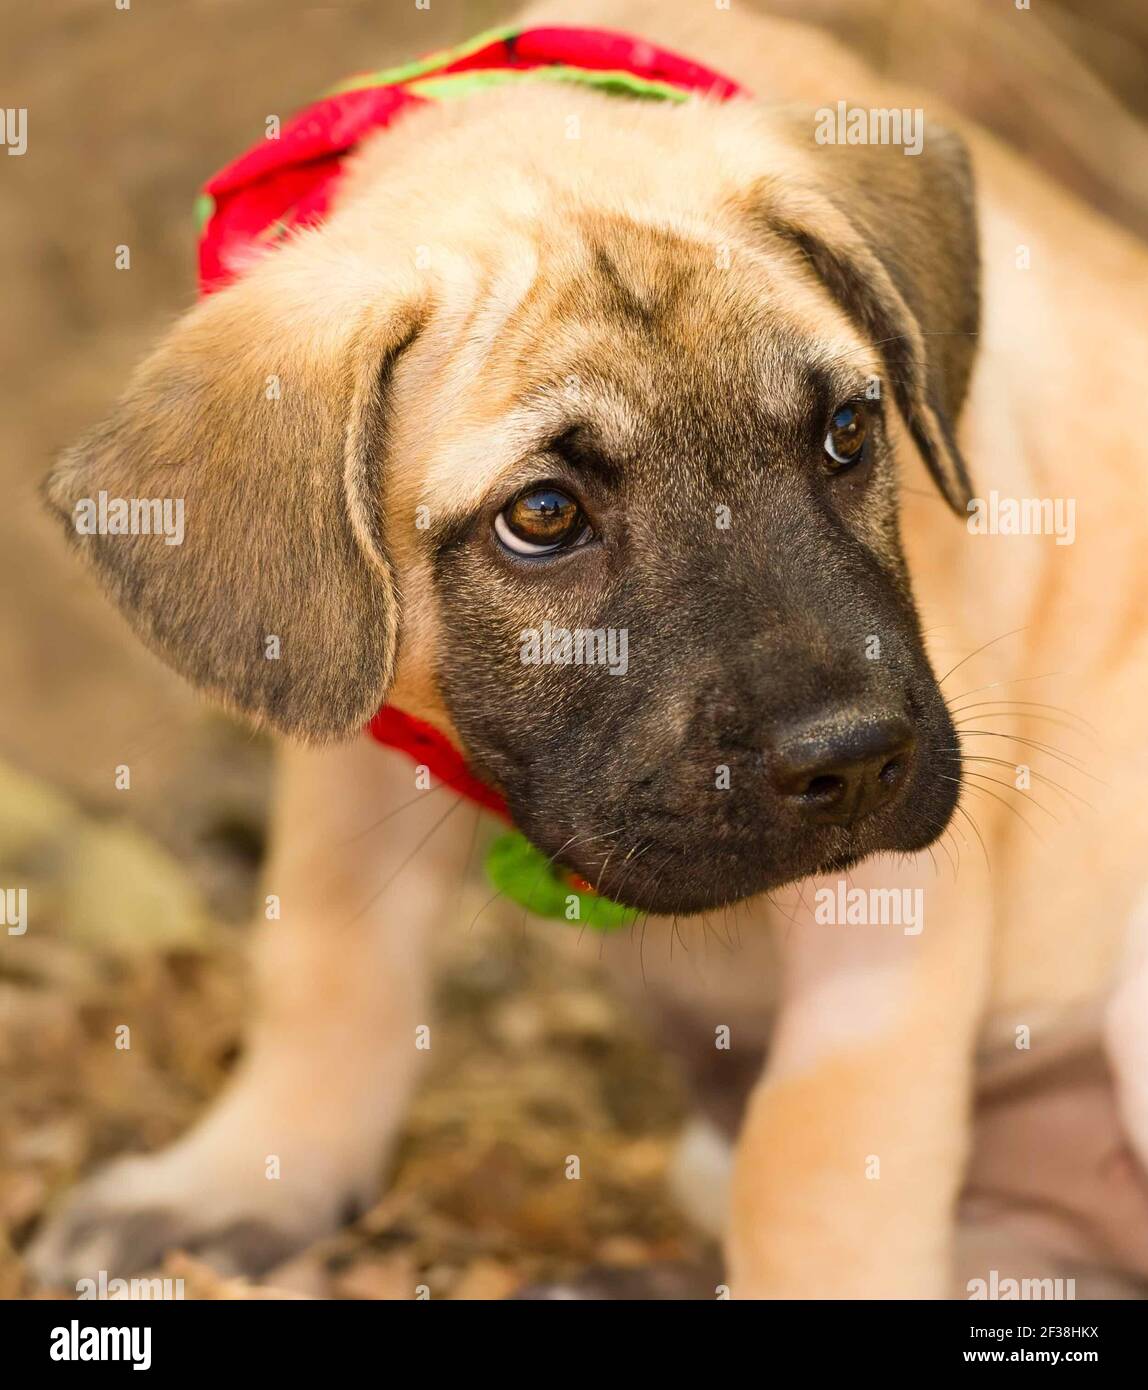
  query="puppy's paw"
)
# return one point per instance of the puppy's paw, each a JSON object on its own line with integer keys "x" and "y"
{"x": 125, "y": 1218}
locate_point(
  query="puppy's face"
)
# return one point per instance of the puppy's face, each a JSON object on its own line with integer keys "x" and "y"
{"x": 630, "y": 469}
{"x": 676, "y": 628}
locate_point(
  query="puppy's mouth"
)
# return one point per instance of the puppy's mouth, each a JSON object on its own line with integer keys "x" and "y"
{"x": 669, "y": 863}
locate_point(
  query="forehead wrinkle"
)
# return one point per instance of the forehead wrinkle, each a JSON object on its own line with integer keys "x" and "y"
{"x": 596, "y": 403}
{"x": 796, "y": 364}
{"x": 764, "y": 325}
{"x": 505, "y": 293}
{"x": 466, "y": 468}
{"x": 446, "y": 367}
{"x": 495, "y": 301}
{"x": 851, "y": 369}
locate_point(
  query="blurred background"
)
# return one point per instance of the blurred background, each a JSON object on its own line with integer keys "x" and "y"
{"x": 139, "y": 897}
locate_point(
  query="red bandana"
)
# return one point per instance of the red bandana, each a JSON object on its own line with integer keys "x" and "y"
{"x": 288, "y": 182}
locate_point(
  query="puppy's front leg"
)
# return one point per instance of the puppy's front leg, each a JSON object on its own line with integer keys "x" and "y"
{"x": 294, "y": 1144}
{"x": 854, "y": 1141}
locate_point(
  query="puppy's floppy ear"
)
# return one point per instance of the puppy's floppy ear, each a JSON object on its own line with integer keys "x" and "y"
{"x": 264, "y": 414}
{"x": 893, "y": 236}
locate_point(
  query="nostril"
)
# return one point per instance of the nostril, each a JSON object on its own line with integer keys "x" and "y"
{"x": 826, "y": 788}
{"x": 892, "y": 772}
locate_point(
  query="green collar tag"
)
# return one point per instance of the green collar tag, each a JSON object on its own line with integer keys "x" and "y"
{"x": 526, "y": 876}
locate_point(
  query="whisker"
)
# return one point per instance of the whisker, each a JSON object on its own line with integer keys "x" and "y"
{"x": 493, "y": 898}
{"x": 1068, "y": 759}
{"x": 550, "y": 861}
{"x": 1028, "y": 704}
{"x": 976, "y": 787}
{"x": 466, "y": 865}
{"x": 438, "y": 823}
{"x": 1009, "y": 786}
{"x": 631, "y": 859}
{"x": 954, "y": 835}
{"x": 943, "y": 846}
{"x": 725, "y": 942}
{"x": 1004, "y": 762}
{"x": 359, "y": 834}
{"x": 977, "y": 833}
{"x": 1012, "y": 633}
{"x": 1017, "y": 680}
{"x": 985, "y": 712}
{"x": 789, "y": 917}
{"x": 900, "y": 337}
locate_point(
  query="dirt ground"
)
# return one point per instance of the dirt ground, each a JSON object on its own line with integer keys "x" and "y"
{"x": 528, "y": 1044}
{"x": 139, "y": 897}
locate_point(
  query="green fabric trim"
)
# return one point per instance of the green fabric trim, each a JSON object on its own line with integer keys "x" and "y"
{"x": 527, "y": 877}
{"x": 406, "y": 72}
{"x": 463, "y": 84}
{"x": 204, "y": 210}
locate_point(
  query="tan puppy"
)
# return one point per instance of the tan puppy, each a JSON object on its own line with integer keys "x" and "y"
{"x": 663, "y": 321}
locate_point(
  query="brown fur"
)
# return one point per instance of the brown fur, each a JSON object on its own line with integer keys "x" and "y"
{"x": 267, "y": 421}
{"x": 877, "y": 1038}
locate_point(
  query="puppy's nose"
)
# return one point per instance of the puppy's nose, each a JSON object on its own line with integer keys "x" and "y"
{"x": 843, "y": 767}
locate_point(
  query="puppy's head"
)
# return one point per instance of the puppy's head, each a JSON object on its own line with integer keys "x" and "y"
{"x": 625, "y": 448}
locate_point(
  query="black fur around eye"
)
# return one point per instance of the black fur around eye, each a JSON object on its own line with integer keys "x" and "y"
{"x": 845, "y": 441}
{"x": 540, "y": 521}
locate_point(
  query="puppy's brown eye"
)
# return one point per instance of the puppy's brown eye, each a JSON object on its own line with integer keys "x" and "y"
{"x": 845, "y": 442}
{"x": 541, "y": 521}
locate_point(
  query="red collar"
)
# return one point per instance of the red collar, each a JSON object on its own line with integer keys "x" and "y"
{"x": 284, "y": 183}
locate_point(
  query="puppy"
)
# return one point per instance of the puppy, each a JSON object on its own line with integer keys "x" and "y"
{"x": 695, "y": 376}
